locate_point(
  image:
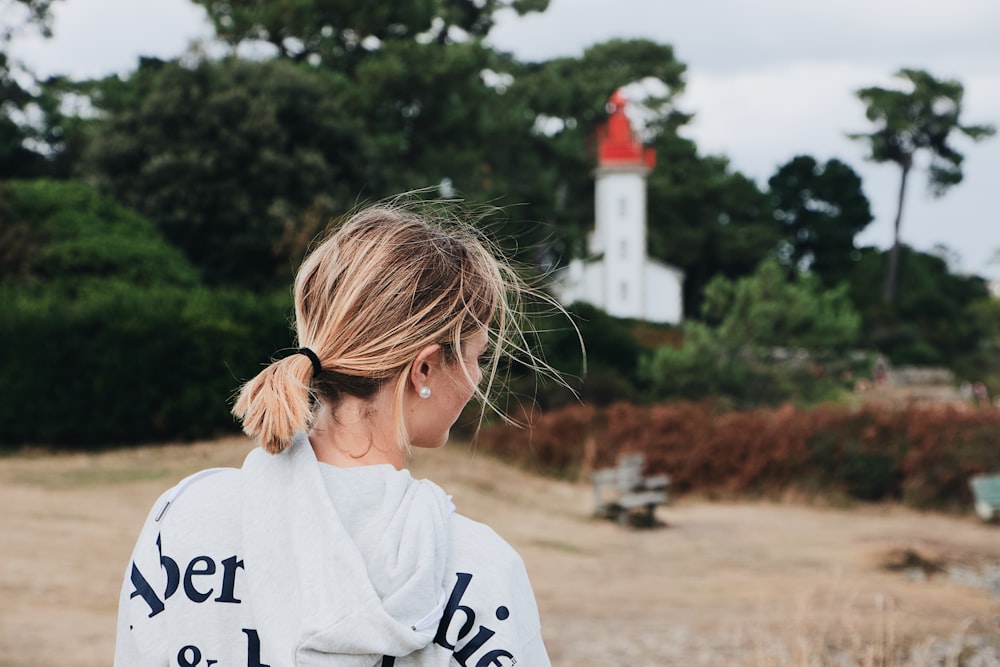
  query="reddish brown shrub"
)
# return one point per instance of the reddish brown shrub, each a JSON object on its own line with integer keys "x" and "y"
{"x": 946, "y": 447}
{"x": 920, "y": 455}
{"x": 552, "y": 442}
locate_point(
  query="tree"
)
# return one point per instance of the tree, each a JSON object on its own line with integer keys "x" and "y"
{"x": 19, "y": 14}
{"x": 768, "y": 309}
{"x": 426, "y": 115}
{"x": 821, "y": 208}
{"x": 238, "y": 163}
{"x": 17, "y": 96}
{"x": 930, "y": 321}
{"x": 705, "y": 218}
{"x": 987, "y": 356}
{"x": 606, "y": 373}
{"x": 564, "y": 100}
{"x": 741, "y": 347}
{"x": 911, "y": 122}
{"x": 16, "y": 159}
{"x": 272, "y": 145}
{"x": 341, "y": 34}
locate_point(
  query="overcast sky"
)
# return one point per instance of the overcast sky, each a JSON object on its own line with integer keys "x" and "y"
{"x": 767, "y": 80}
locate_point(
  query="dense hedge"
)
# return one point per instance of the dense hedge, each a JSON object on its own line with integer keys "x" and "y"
{"x": 106, "y": 335}
{"x": 115, "y": 363}
{"x": 922, "y": 456}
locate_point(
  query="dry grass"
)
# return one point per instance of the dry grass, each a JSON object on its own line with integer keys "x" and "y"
{"x": 724, "y": 583}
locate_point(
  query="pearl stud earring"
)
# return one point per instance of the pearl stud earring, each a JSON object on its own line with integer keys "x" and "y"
{"x": 425, "y": 392}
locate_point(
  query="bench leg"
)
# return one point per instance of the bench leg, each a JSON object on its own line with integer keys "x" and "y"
{"x": 622, "y": 517}
{"x": 651, "y": 515}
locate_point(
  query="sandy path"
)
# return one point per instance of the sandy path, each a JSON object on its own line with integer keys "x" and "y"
{"x": 722, "y": 584}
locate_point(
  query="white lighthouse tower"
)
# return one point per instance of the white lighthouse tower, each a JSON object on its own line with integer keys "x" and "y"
{"x": 618, "y": 275}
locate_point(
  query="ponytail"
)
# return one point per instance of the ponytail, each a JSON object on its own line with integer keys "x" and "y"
{"x": 388, "y": 282}
{"x": 277, "y": 403}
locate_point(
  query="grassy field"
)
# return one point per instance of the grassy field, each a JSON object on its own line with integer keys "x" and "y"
{"x": 721, "y": 583}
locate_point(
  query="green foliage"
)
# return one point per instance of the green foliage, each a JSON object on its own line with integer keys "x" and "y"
{"x": 63, "y": 234}
{"x": 765, "y": 339}
{"x": 768, "y": 309}
{"x": 340, "y": 34}
{"x": 985, "y": 363}
{"x": 932, "y": 321}
{"x": 15, "y": 158}
{"x": 107, "y": 335}
{"x": 22, "y": 106}
{"x": 919, "y": 120}
{"x": 821, "y": 209}
{"x": 427, "y": 115}
{"x": 697, "y": 369}
{"x": 239, "y": 164}
{"x": 843, "y": 457}
{"x": 575, "y": 91}
{"x": 607, "y": 373}
{"x": 20, "y": 13}
{"x": 116, "y": 363}
{"x": 706, "y": 219}
{"x": 563, "y": 100}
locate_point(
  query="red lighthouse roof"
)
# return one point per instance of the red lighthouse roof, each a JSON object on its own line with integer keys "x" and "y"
{"x": 617, "y": 143}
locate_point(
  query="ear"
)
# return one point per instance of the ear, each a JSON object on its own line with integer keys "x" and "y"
{"x": 424, "y": 365}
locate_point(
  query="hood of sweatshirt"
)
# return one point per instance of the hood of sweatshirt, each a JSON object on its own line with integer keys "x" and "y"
{"x": 344, "y": 565}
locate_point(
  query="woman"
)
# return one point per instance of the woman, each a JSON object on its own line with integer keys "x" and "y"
{"x": 322, "y": 549}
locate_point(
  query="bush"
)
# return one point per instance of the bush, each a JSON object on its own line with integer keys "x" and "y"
{"x": 765, "y": 339}
{"x": 107, "y": 336}
{"x": 63, "y": 234}
{"x": 704, "y": 368}
{"x": 117, "y": 363}
{"x": 607, "y": 374}
{"x": 556, "y": 441}
{"x": 922, "y": 456}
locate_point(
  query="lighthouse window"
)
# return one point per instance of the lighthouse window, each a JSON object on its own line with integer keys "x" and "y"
{"x": 624, "y": 249}
{"x": 624, "y": 291}
{"x": 621, "y": 206}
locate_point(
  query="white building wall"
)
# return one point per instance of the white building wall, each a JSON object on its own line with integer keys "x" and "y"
{"x": 581, "y": 281}
{"x": 594, "y": 280}
{"x": 663, "y": 289}
{"x": 664, "y": 294}
{"x": 620, "y": 235}
{"x": 618, "y": 276}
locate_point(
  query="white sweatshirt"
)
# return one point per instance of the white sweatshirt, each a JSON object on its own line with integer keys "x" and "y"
{"x": 288, "y": 561}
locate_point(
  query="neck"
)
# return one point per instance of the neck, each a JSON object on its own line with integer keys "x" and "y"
{"x": 358, "y": 433}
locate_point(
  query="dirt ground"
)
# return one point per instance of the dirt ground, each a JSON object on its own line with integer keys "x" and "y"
{"x": 722, "y": 583}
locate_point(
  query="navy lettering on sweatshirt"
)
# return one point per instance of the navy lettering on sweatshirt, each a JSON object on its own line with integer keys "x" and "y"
{"x": 468, "y": 621}
{"x": 460, "y": 631}
{"x": 201, "y": 580}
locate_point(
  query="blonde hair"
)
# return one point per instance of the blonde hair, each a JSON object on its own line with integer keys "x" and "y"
{"x": 388, "y": 282}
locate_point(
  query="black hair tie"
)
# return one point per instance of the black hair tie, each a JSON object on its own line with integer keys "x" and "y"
{"x": 317, "y": 367}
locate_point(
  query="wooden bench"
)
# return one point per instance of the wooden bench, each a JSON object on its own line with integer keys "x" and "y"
{"x": 624, "y": 494}
{"x": 986, "y": 493}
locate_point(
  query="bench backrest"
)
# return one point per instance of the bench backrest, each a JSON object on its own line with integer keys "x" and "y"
{"x": 629, "y": 471}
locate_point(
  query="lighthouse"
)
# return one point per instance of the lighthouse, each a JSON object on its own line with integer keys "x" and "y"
{"x": 617, "y": 274}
